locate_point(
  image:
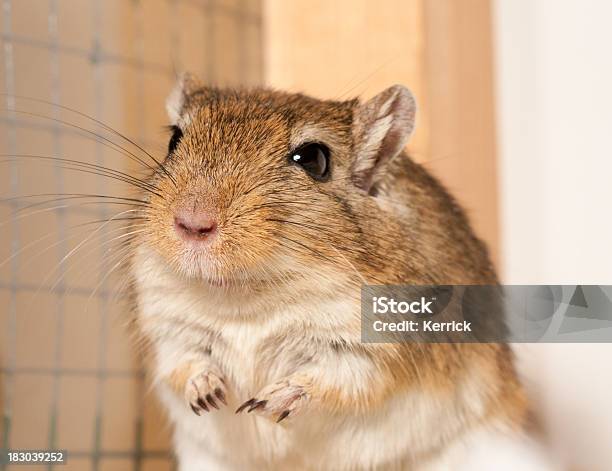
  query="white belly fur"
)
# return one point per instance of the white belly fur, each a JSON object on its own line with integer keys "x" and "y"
{"x": 396, "y": 437}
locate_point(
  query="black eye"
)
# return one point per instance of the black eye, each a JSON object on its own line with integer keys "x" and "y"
{"x": 314, "y": 158}
{"x": 177, "y": 134}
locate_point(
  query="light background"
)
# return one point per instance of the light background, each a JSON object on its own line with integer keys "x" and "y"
{"x": 554, "y": 70}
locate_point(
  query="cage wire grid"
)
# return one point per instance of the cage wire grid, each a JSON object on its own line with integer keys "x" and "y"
{"x": 244, "y": 44}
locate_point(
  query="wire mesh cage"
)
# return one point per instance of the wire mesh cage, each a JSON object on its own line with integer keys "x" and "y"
{"x": 69, "y": 379}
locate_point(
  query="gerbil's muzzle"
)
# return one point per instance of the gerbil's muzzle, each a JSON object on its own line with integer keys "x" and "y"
{"x": 194, "y": 223}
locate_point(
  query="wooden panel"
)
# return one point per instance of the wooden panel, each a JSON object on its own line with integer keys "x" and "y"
{"x": 460, "y": 102}
{"x": 345, "y": 48}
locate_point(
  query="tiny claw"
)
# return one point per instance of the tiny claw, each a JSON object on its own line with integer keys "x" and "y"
{"x": 283, "y": 416}
{"x": 203, "y": 405}
{"x": 220, "y": 395}
{"x": 245, "y": 405}
{"x": 195, "y": 409}
{"x": 258, "y": 405}
{"x": 211, "y": 401}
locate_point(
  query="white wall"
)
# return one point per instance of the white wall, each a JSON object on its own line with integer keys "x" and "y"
{"x": 555, "y": 128}
{"x": 554, "y": 91}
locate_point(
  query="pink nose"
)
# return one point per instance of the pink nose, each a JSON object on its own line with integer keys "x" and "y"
{"x": 195, "y": 226}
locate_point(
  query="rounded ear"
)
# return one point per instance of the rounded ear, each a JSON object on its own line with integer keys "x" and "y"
{"x": 381, "y": 129}
{"x": 185, "y": 85}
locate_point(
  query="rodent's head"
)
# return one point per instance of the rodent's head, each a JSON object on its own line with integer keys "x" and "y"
{"x": 261, "y": 185}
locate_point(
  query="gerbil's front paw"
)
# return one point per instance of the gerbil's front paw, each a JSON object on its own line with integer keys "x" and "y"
{"x": 277, "y": 401}
{"x": 204, "y": 389}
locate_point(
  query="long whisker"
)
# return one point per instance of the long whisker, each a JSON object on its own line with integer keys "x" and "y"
{"x": 14, "y": 217}
{"x": 310, "y": 249}
{"x": 104, "y": 140}
{"x": 52, "y": 234}
{"x": 102, "y": 226}
{"x": 111, "y": 177}
{"x": 348, "y": 262}
{"x": 71, "y": 253}
{"x": 70, "y": 196}
{"x": 54, "y": 286}
{"x": 122, "y": 236}
{"x": 124, "y": 249}
{"x": 103, "y": 171}
{"x": 121, "y": 260}
{"x": 104, "y": 125}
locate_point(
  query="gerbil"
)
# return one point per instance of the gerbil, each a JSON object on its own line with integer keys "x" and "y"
{"x": 270, "y": 211}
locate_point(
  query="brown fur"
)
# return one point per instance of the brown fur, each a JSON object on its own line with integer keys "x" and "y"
{"x": 232, "y": 161}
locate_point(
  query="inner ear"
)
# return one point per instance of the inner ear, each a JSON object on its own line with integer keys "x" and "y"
{"x": 381, "y": 129}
